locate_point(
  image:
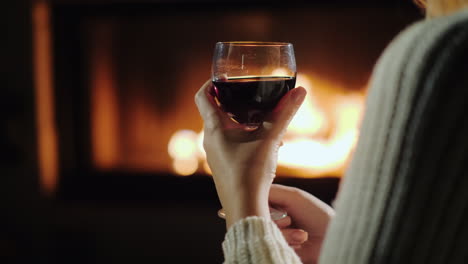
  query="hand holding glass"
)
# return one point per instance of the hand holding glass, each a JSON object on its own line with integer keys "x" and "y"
{"x": 249, "y": 80}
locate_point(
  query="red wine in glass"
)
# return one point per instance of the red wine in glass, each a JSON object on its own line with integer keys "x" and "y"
{"x": 248, "y": 100}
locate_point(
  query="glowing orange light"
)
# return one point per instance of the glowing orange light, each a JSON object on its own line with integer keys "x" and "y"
{"x": 183, "y": 149}
{"x": 183, "y": 144}
{"x": 104, "y": 105}
{"x": 316, "y": 143}
{"x": 46, "y": 130}
{"x": 309, "y": 119}
{"x": 185, "y": 167}
{"x": 207, "y": 168}
{"x": 306, "y": 149}
{"x": 201, "y": 150}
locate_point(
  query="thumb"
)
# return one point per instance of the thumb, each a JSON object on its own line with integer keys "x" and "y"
{"x": 285, "y": 111}
{"x": 283, "y": 196}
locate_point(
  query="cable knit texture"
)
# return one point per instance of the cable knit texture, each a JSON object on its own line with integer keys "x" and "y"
{"x": 404, "y": 198}
{"x": 257, "y": 240}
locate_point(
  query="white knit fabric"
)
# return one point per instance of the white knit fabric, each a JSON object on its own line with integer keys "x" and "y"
{"x": 377, "y": 178}
{"x": 257, "y": 240}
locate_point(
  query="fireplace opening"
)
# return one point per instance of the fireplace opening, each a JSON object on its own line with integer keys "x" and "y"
{"x": 125, "y": 76}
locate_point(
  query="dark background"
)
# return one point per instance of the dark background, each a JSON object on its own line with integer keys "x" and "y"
{"x": 118, "y": 216}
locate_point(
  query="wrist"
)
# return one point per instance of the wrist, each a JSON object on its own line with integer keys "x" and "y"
{"x": 246, "y": 203}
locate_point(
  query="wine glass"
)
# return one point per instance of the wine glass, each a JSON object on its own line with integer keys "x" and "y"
{"x": 251, "y": 77}
{"x": 249, "y": 80}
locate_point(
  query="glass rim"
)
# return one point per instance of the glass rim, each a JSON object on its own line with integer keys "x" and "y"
{"x": 253, "y": 43}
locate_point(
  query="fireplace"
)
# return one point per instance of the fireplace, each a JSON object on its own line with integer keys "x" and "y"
{"x": 141, "y": 75}
{"x": 122, "y": 78}
{"x": 113, "y": 83}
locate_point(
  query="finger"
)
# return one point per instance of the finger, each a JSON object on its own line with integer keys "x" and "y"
{"x": 283, "y": 196}
{"x": 212, "y": 115}
{"x": 210, "y": 111}
{"x": 283, "y": 222}
{"x": 296, "y": 247}
{"x": 302, "y": 207}
{"x": 295, "y": 236}
{"x": 206, "y": 106}
{"x": 285, "y": 111}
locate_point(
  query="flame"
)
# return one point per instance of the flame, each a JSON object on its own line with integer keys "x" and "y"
{"x": 320, "y": 155}
{"x": 317, "y": 142}
{"x": 183, "y": 144}
{"x": 317, "y": 156}
{"x": 185, "y": 167}
{"x": 47, "y": 134}
{"x": 184, "y": 148}
{"x": 104, "y": 103}
{"x": 309, "y": 119}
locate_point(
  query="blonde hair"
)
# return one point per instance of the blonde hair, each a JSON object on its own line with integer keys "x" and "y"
{"x": 441, "y": 7}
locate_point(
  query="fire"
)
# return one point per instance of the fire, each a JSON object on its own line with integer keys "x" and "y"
{"x": 310, "y": 152}
{"x": 183, "y": 144}
{"x": 309, "y": 119}
{"x": 185, "y": 167}
{"x": 46, "y": 130}
{"x": 319, "y": 139}
{"x": 104, "y": 104}
{"x": 183, "y": 149}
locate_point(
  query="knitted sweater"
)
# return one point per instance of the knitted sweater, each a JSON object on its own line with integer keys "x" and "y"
{"x": 405, "y": 196}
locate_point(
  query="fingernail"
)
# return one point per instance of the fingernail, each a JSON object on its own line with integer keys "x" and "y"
{"x": 296, "y": 247}
{"x": 213, "y": 91}
{"x": 250, "y": 128}
{"x": 299, "y": 235}
{"x": 297, "y": 95}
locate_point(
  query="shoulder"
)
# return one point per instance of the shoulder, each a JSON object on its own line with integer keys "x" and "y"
{"x": 424, "y": 40}
{"x": 422, "y": 48}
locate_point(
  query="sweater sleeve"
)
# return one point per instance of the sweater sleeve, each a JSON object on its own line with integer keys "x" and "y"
{"x": 257, "y": 240}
